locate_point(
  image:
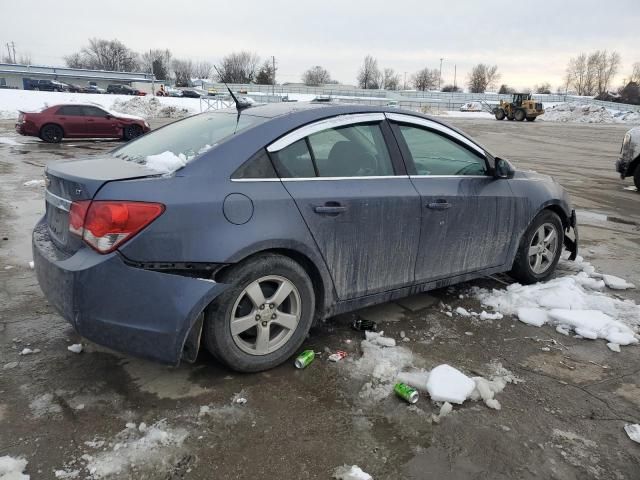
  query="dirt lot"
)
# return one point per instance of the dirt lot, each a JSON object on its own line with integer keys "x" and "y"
{"x": 564, "y": 419}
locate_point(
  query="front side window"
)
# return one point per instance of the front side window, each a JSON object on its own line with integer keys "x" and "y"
{"x": 94, "y": 112}
{"x": 435, "y": 154}
{"x": 178, "y": 143}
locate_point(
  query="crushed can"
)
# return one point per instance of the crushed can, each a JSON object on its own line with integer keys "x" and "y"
{"x": 305, "y": 358}
{"x": 339, "y": 355}
{"x": 406, "y": 392}
{"x": 363, "y": 325}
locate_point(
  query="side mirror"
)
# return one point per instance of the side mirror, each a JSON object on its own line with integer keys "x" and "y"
{"x": 503, "y": 169}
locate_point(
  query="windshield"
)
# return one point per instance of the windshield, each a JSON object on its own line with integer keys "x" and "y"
{"x": 175, "y": 145}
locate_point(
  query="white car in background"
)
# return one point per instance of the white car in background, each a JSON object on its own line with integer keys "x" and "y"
{"x": 628, "y": 165}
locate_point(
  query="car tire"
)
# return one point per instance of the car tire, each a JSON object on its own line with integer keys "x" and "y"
{"x": 510, "y": 117}
{"x": 636, "y": 177}
{"x": 500, "y": 114}
{"x": 131, "y": 131}
{"x": 529, "y": 267}
{"x": 519, "y": 115}
{"x": 254, "y": 282}
{"x": 51, "y": 133}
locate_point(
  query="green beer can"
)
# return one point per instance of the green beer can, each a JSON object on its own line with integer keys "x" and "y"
{"x": 305, "y": 358}
{"x": 406, "y": 392}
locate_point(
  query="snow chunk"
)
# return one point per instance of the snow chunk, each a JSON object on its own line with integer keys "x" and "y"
{"x": 594, "y": 324}
{"x": 447, "y": 384}
{"x": 352, "y": 472}
{"x": 633, "y": 430}
{"x": 64, "y": 474}
{"x": 490, "y": 316}
{"x": 417, "y": 379}
{"x": 379, "y": 339}
{"x": 13, "y": 468}
{"x": 34, "y": 183}
{"x": 463, "y": 312}
{"x": 166, "y": 162}
{"x": 533, "y": 316}
{"x": 614, "y": 347}
{"x": 616, "y": 283}
{"x": 134, "y": 448}
{"x": 28, "y": 351}
{"x": 75, "y": 348}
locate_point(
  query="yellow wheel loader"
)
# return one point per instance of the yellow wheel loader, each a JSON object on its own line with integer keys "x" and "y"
{"x": 522, "y": 107}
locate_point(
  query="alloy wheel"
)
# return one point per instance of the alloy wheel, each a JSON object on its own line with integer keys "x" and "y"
{"x": 543, "y": 247}
{"x": 265, "y": 315}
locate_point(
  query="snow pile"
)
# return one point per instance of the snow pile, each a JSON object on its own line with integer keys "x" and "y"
{"x": 381, "y": 361}
{"x": 75, "y": 348}
{"x": 574, "y": 302}
{"x": 352, "y": 472}
{"x": 13, "y": 468}
{"x": 633, "y": 431}
{"x": 579, "y": 113}
{"x": 137, "y": 448}
{"x": 449, "y": 385}
{"x": 166, "y": 162}
{"x": 149, "y": 107}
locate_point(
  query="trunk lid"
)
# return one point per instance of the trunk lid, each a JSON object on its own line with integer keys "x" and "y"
{"x": 76, "y": 180}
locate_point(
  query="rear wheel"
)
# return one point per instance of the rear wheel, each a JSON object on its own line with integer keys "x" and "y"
{"x": 51, "y": 133}
{"x": 539, "y": 250}
{"x": 519, "y": 115}
{"x": 264, "y": 316}
{"x": 131, "y": 131}
{"x": 636, "y": 177}
{"x": 500, "y": 114}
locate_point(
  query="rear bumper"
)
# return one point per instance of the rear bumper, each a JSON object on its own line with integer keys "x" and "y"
{"x": 140, "y": 312}
{"x": 26, "y": 128}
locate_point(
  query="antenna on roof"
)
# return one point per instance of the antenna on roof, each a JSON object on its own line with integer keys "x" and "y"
{"x": 240, "y": 104}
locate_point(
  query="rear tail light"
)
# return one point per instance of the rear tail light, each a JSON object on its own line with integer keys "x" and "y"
{"x": 21, "y": 117}
{"x": 105, "y": 224}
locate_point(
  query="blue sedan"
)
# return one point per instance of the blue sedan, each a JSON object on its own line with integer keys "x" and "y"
{"x": 236, "y": 230}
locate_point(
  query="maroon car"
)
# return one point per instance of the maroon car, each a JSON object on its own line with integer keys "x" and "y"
{"x": 52, "y": 124}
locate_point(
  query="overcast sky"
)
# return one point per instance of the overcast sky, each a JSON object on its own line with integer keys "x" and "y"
{"x": 529, "y": 41}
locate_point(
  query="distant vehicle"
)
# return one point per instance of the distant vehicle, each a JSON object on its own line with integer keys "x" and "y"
{"x": 94, "y": 89}
{"x": 172, "y": 92}
{"x": 73, "y": 88}
{"x": 47, "y": 86}
{"x": 471, "y": 107}
{"x": 193, "y": 93}
{"x": 52, "y": 124}
{"x": 521, "y": 107}
{"x": 281, "y": 215}
{"x": 122, "y": 90}
{"x": 212, "y": 91}
{"x": 628, "y": 165}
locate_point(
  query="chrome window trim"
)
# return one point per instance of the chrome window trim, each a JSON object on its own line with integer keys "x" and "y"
{"x": 315, "y": 127}
{"x": 315, "y": 179}
{"x": 449, "y": 176}
{"x": 249, "y": 180}
{"x": 423, "y": 122}
{"x": 56, "y": 201}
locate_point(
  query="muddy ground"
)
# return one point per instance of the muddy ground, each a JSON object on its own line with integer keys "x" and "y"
{"x": 564, "y": 420}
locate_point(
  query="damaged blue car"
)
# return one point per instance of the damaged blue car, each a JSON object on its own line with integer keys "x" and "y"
{"x": 236, "y": 229}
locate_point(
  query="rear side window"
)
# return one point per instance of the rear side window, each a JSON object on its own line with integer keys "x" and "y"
{"x": 71, "y": 110}
{"x": 94, "y": 111}
{"x": 294, "y": 161}
{"x": 175, "y": 145}
{"x": 435, "y": 154}
{"x": 258, "y": 166}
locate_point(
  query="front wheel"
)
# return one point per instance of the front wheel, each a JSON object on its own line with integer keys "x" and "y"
{"x": 51, "y": 133}
{"x": 500, "y": 114}
{"x": 131, "y": 132}
{"x": 264, "y": 316}
{"x": 539, "y": 250}
{"x": 519, "y": 115}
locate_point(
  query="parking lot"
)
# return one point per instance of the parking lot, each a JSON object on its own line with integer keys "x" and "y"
{"x": 562, "y": 418}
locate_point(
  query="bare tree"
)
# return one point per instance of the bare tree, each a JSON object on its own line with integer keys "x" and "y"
{"x": 369, "y": 76}
{"x": 267, "y": 74}
{"x": 505, "y": 89}
{"x": 544, "y": 87}
{"x": 103, "y": 54}
{"x": 182, "y": 71}
{"x": 202, "y": 70}
{"x": 238, "y": 67}
{"x": 635, "y": 73}
{"x": 157, "y": 62}
{"x": 316, "y": 76}
{"x": 592, "y": 74}
{"x": 390, "y": 79}
{"x": 482, "y": 77}
{"x": 425, "y": 79}
{"x": 576, "y": 74}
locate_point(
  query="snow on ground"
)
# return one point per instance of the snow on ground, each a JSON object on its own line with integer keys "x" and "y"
{"x": 148, "y": 106}
{"x": 455, "y": 113}
{"x": 136, "y": 448}
{"x": 8, "y": 140}
{"x": 633, "y": 430}
{"x": 352, "y": 472}
{"x": 575, "y": 302}
{"x": 580, "y": 113}
{"x": 13, "y": 468}
{"x": 34, "y": 183}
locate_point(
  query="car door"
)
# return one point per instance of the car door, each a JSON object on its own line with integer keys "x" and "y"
{"x": 72, "y": 119}
{"x": 468, "y": 216}
{"x": 351, "y": 188}
{"x": 100, "y": 123}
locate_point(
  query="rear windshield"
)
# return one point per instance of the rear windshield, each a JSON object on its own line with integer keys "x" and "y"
{"x": 175, "y": 145}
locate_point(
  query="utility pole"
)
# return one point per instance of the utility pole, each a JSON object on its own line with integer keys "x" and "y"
{"x": 273, "y": 81}
{"x": 13, "y": 46}
{"x": 440, "y": 77}
{"x": 455, "y": 74}
{"x": 8, "y": 50}
{"x": 405, "y": 80}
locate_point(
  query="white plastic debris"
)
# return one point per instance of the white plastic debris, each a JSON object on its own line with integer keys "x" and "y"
{"x": 417, "y": 379}
{"x": 75, "y": 348}
{"x": 378, "y": 338}
{"x": 13, "y": 468}
{"x": 352, "y": 472}
{"x": 447, "y": 384}
{"x": 633, "y": 430}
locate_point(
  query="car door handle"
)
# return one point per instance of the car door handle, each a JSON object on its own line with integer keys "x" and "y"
{"x": 439, "y": 205}
{"x": 330, "y": 208}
